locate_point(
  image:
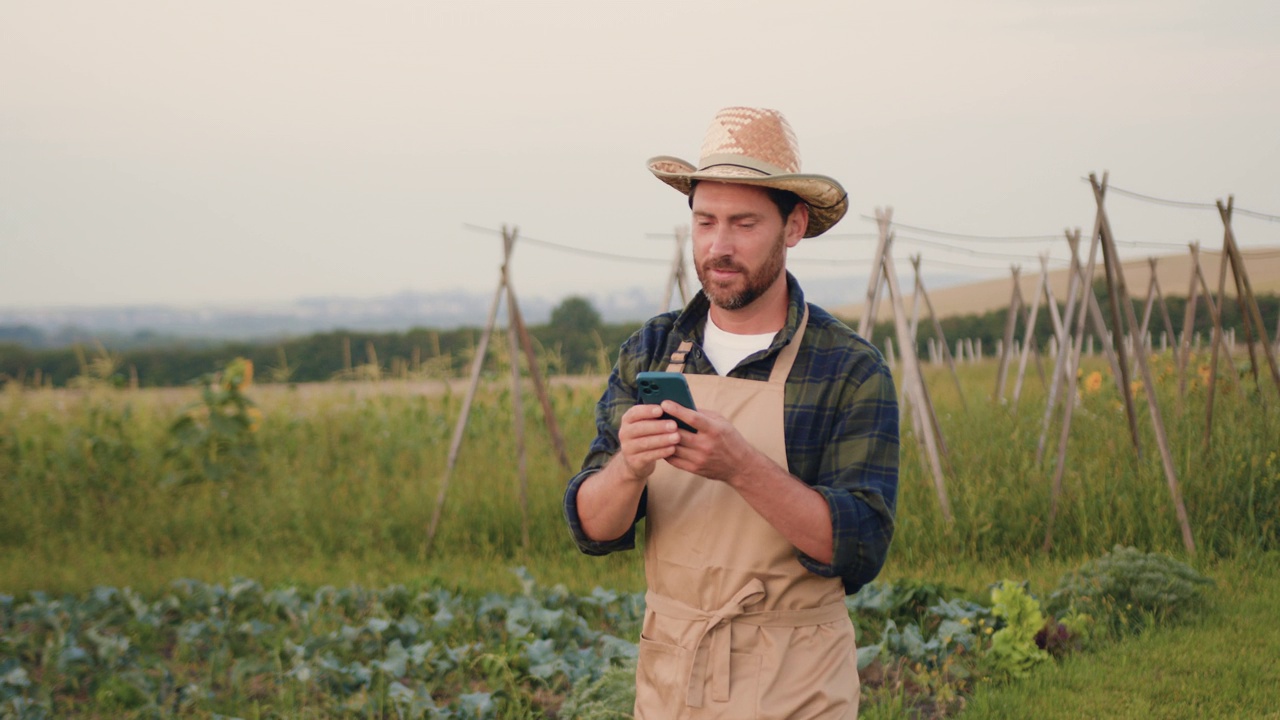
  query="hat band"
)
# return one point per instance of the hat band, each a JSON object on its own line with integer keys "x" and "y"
{"x": 741, "y": 161}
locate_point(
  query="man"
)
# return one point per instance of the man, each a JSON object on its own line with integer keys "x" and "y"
{"x": 781, "y": 501}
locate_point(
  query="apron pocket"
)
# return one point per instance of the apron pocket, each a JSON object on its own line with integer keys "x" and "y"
{"x": 660, "y": 675}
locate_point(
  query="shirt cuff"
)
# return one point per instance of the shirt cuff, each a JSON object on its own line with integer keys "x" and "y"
{"x": 586, "y": 544}
{"x": 853, "y": 523}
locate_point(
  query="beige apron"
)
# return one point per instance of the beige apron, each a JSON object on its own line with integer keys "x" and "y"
{"x": 735, "y": 626}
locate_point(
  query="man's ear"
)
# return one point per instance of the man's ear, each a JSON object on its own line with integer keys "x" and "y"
{"x": 797, "y": 224}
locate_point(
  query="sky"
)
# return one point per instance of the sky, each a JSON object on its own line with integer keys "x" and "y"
{"x": 246, "y": 153}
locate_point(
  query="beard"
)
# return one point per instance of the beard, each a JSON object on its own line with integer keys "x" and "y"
{"x": 747, "y": 285}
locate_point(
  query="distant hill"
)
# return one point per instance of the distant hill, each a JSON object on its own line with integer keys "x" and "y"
{"x": 1173, "y": 273}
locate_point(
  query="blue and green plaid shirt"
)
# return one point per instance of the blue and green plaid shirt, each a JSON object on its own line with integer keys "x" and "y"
{"x": 841, "y": 426}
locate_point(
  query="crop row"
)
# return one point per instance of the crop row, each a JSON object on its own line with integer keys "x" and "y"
{"x": 241, "y": 649}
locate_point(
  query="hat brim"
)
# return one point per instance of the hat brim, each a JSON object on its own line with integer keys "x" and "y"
{"x": 827, "y": 200}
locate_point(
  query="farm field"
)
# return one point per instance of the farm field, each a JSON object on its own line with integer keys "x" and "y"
{"x": 271, "y": 487}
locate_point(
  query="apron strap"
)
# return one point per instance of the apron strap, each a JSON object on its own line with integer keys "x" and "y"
{"x": 718, "y": 624}
{"x": 787, "y": 355}
{"x": 677, "y": 358}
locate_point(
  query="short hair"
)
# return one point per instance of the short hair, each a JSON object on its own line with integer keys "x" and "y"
{"x": 785, "y": 200}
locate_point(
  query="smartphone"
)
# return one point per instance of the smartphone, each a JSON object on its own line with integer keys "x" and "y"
{"x": 658, "y": 386}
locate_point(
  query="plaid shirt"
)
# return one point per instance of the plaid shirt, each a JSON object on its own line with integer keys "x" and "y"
{"x": 840, "y": 418}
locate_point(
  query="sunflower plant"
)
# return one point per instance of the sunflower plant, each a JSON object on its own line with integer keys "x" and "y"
{"x": 214, "y": 437}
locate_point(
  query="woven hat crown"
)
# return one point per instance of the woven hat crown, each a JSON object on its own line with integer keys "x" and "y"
{"x": 756, "y": 146}
{"x": 757, "y": 135}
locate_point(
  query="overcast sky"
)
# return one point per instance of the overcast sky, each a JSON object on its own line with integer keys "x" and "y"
{"x": 252, "y": 152}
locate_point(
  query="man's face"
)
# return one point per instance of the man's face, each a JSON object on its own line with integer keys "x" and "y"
{"x": 739, "y": 242}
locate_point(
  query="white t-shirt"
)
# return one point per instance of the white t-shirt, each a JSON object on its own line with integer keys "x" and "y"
{"x": 725, "y": 349}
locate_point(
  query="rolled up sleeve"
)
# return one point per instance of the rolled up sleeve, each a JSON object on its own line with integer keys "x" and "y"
{"x": 858, "y": 478}
{"x": 586, "y": 544}
{"x": 618, "y": 397}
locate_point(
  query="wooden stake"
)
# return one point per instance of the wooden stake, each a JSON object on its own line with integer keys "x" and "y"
{"x": 1253, "y": 316}
{"x": 1116, "y": 297}
{"x": 1164, "y": 307}
{"x": 927, "y": 431}
{"x": 1010, "y": 326}
{"x": 1069, "y": 376}
{"x": 867, "y": 323}
{"x": 915, "y": 299}
{"x": 1188, "y": 324}
{"x": 1147, "y": 308}
{"x": 535, "y": 375}
{"x": 517, "y": 413}
{"x": 941, "y": 336}
{"x": 1217, "y": 339}
{"x": 1028, "y": 336}
{"x": 1068, "y": 358}
{"x": 1157, "y": 421}
{"x": 476, "y": 363}
{"x": 1099, "y": 324}
{"x": 1215, "y": 312}
{"x": 677, "y": 279}
{"x": 518, "y": 338}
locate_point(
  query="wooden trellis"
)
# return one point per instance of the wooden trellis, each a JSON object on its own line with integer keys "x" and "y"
{"x": 916, "y": 394}
{"x": 678, "y": 276}
{"x": 939, "y": 336}
{"x": 1010, "y": 327}
{"x": 1081, "y": 305}
{"x": 1154, "y": 296}
{"x": 1120, "y": 307}
{"x": 519, "y": 339}
{"x": 1044, "y": 291}
{"x": 1250, "y": 315}
{"x": 1018, "y": 310}
{"x": 1198, "y": 286}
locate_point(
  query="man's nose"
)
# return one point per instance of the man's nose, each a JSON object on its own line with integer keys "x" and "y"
{"x": 720, "y": 241}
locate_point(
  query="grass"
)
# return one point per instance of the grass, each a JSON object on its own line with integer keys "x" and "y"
{"x": 344, "y": 481}
{"x": 1219, "y": 664}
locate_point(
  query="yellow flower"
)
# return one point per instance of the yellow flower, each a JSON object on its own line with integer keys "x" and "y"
{"x": 238, "y": 374}
{"x": 1135, "y": 388}
{"x": 255, "y": 419}
{"x": 1093, "y": 383}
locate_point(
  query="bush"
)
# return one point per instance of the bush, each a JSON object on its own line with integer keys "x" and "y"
{"x": 1126, "y": 590}
{"x": 608, "y": 698}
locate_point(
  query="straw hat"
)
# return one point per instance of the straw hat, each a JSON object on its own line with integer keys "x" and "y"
{"x": 756, "y": 146}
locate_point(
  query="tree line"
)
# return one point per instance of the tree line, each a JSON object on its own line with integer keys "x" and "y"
{"x": 574, "y": 341}
{"x": 989, "y": 327}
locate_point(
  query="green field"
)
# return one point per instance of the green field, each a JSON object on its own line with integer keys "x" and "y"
{"x": 333, "y": 485}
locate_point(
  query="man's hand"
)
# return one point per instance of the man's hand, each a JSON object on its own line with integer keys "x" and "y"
{"x": 645, "y": 438}
{"x": 716, "y": 452}
{"x": 607, "y": 501}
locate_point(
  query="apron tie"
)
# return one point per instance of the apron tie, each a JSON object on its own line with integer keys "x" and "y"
{"x": 718, "y": 625}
